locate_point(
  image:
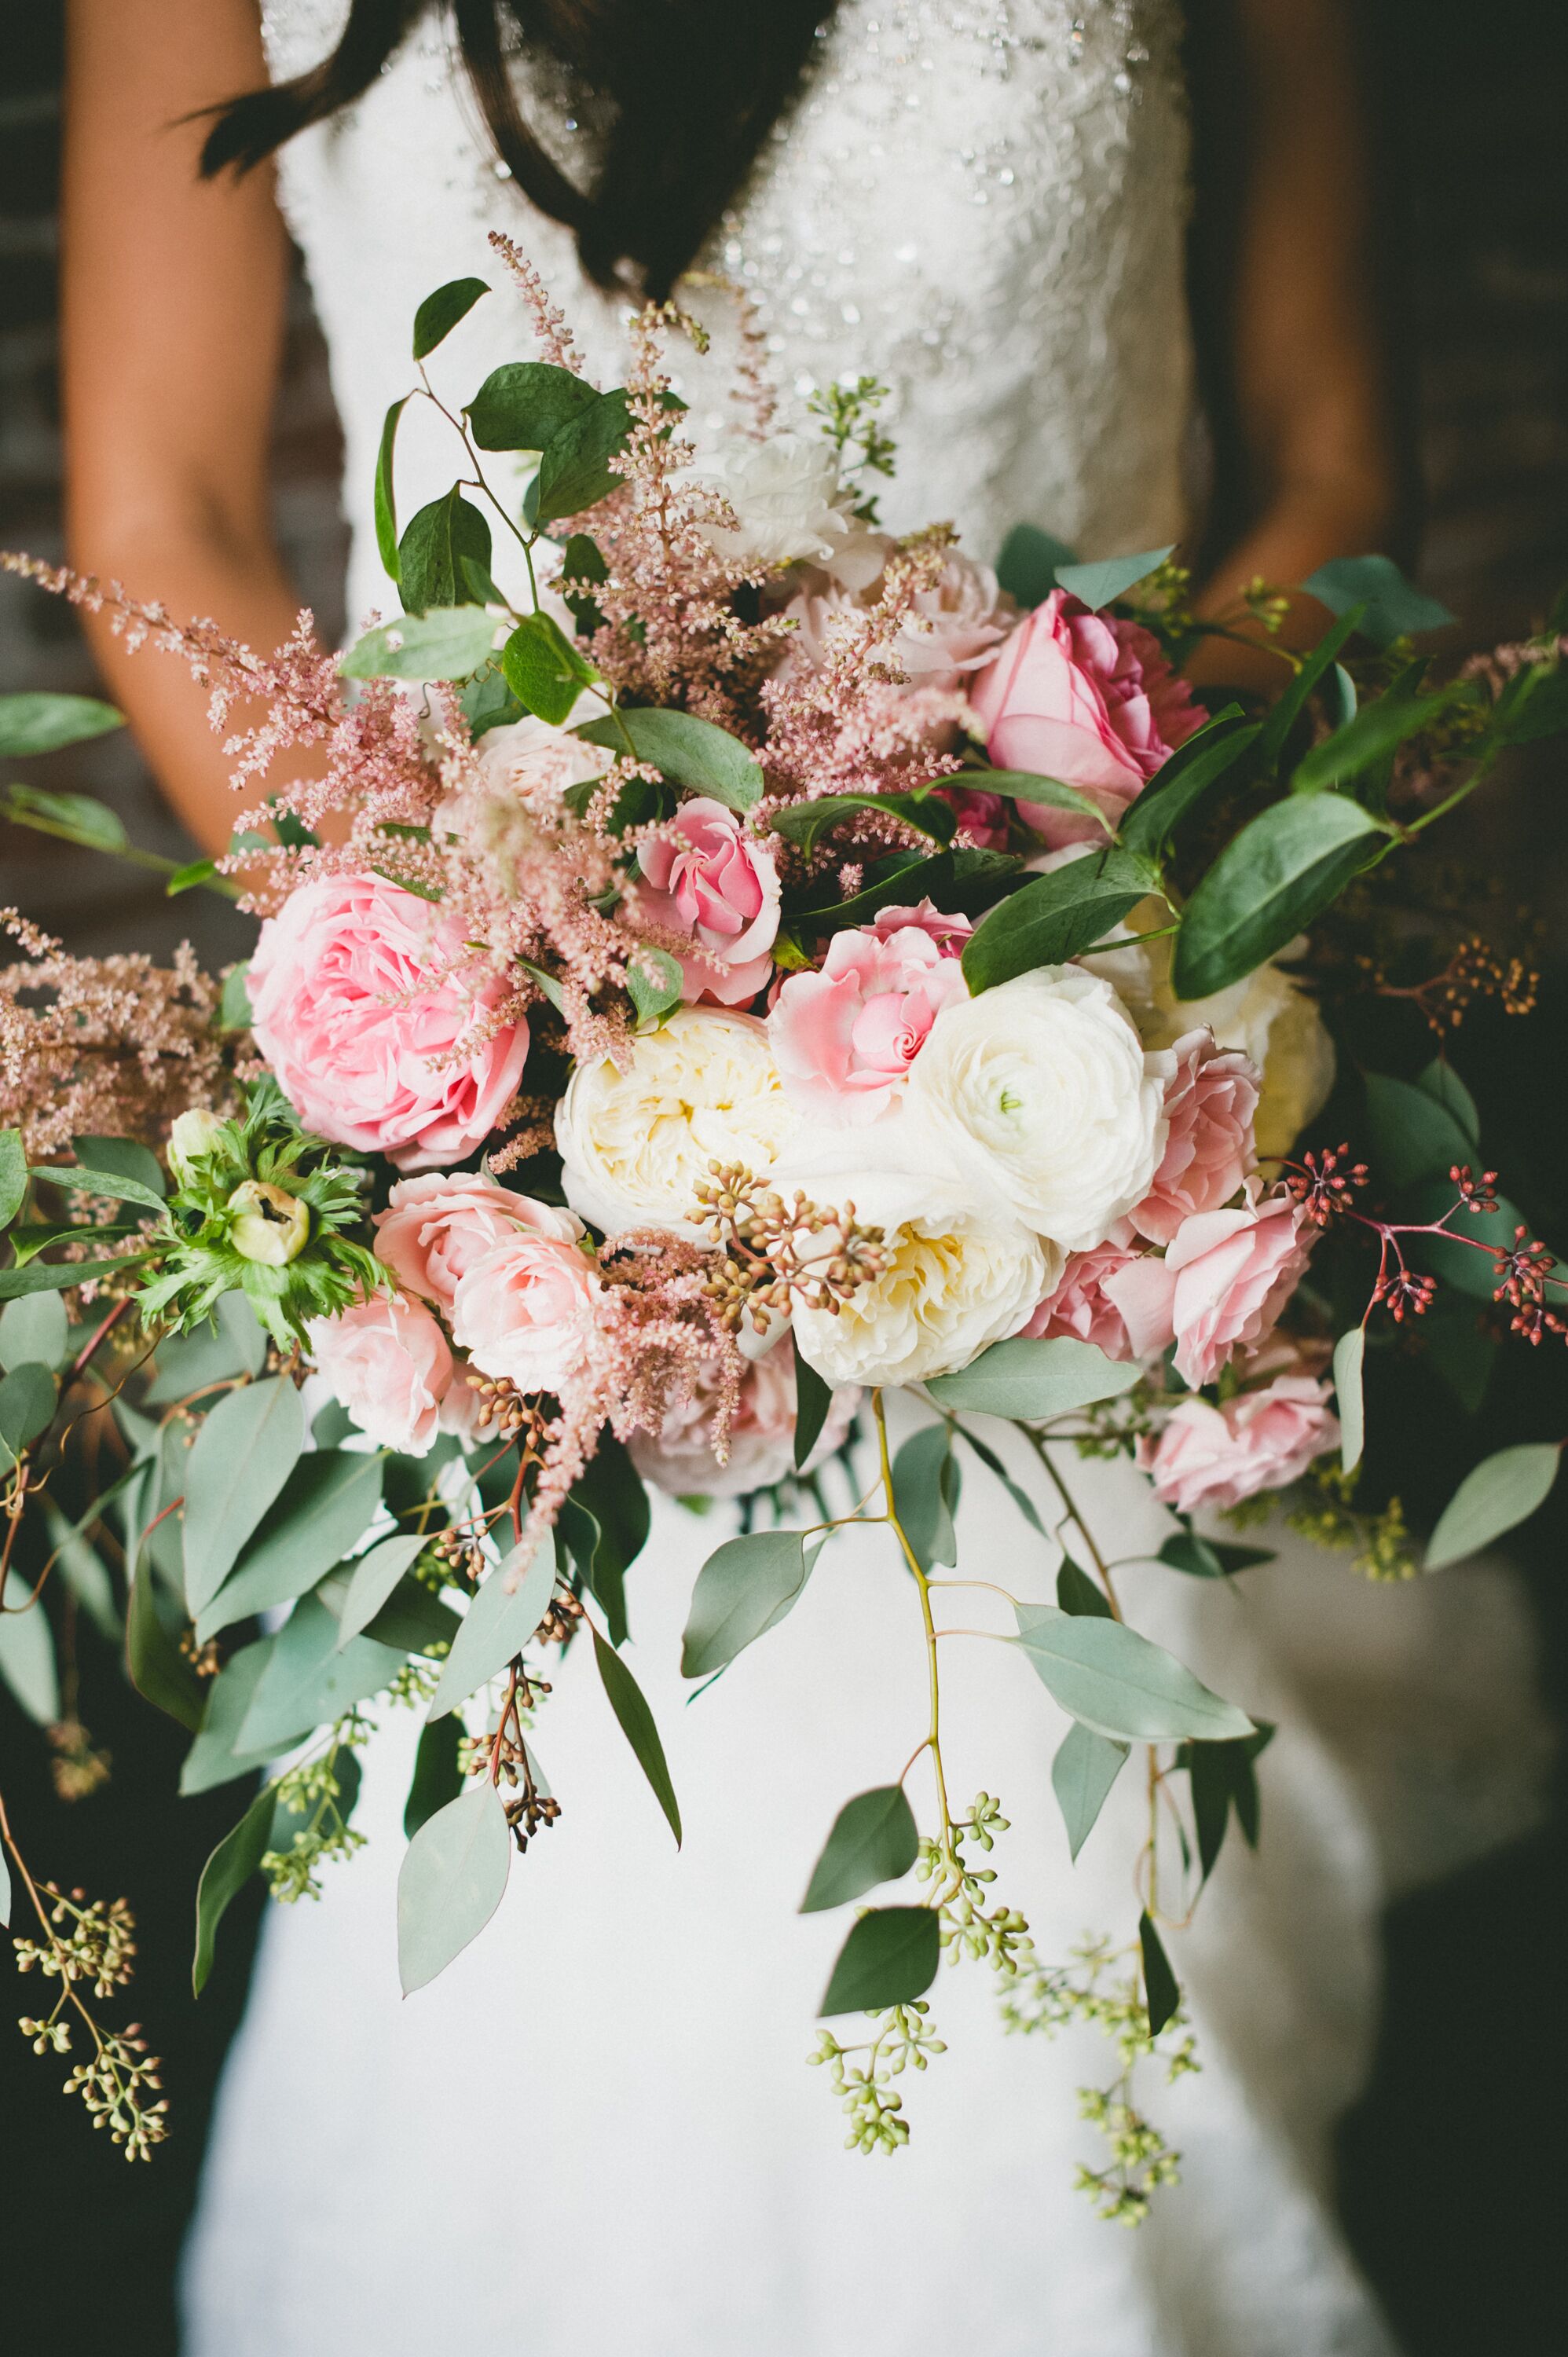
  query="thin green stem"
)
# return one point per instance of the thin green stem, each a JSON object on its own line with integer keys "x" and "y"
{"x": 1041, "y": 1449}
{"x": 933, "y": 1738}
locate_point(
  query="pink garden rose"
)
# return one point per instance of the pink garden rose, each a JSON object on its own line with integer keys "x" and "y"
{"x": 358, "y": 1012}
{"x": 436, "y": 1228}
{"x": 681, "y": 1459}
{"x": 954, "y": 629}
{"x": 845, "y": 1035}
{"x": 1211, "y": 1100}
{"x": 1221, "y": 1286}
{"x": 527, "y": 1310}
{"x": 391, "y": 1368}
{"x": 950, "y": 933}
{"x": 983, "y": 817}
{"x": 1259, "y": 1441}
{"x": 704, "y": 876}
{"x": 1083, "y": 1304}
{"x": 1088, "y": 699}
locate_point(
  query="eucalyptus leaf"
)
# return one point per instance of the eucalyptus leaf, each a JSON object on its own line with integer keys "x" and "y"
{"x": 813, "y": 1399}
{"x": 429, "y": 554}
{"x": 234, "y": 1012}
{"x": 320, "y": 1515}
{"x": 28, "y": 1652}
{"x": 1085, "y": 1768}
{"x": 34, "y": 1332}
{"x": 874, "y": 1839}
{"x": 498, "y": 1624}
{"x": 1202, "y": 1558}
{"x": 994, "y": 1464}
{"x": 373, "y": 1578}
{"x": 1459, "y": 1264}
{"x": 692, "y": 753}
{"x": 224, "y": 1876}
{"x": 1118, "y": 1684}
{"x": 889, "y": 1958}
{"x": 38, "y": 722}
{"x": 1076, "y": 1592}
{"x": 1026, "y": 568}
{"x": 575, "y": 473}
{"x": 654, "y": 999}
{"x": 636, "y": 1720}
{"x": 1504, "y": 1490}
{"x": 925, "y": 1493}
{"x": 308, "y": 1682}
{"x": 29, "y": 1396}
{"x": 448, "y": 642}
{"x": 1161, "y": 1993}
{"x": 1101, "y": 584}
{"x": 1441, "y": 1082}
{"x": 744, "y": 1589}
{"x": 291, "y": 1818}
{"x": 1270, "y": 881}
{"x": 1031, "y": 1378}
{"x": 245, "y": 1451}
{"x": 231, "y": 1343}
{"x": 439, "y": 313}
{"x": 159, "y": 1671}
{"x": 437, "y": 1772}
{"x": 1349, "y": 1353}
{"x": 1054, "y": 916}
{"x": 525, "y": 404}
{"x": 214, "y": 1757}
{"x": 453, "y": 1878}
{"x": 85, "y": 1574}
{"x": 1412, "y": 1134}
{"x": 73, "y": 1178}
{"x": 1392, "y": 608}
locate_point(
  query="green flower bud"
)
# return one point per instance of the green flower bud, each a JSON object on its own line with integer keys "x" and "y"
{"x": 269, "y": 1226}
{"x": 192, "y": 1135}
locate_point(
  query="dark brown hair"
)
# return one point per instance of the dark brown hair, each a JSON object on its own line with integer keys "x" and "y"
{"x": 690, "y": 89}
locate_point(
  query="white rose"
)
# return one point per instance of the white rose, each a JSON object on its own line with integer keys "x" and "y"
{"x": 528, "y": 755}
{"x": 961, "y": 1274}
{"x": 788, "y": 504}
{"x": 634, "y": 1143}
{"x": 1040, "y": 1090}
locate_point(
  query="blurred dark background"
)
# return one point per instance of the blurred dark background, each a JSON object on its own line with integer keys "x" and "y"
{"x": 1452, "y": 2177}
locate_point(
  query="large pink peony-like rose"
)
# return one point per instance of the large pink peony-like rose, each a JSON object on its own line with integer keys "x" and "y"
{"x": 391, "y": 1368}
{"x": 845, "y": 1037}
{"x": 1088, "y": 699}
{"x": 358, "y": 1009}
{"x": 1211, "y": 1100}
{"x": 1259, "y": 1441}
{"x": 1221, "y": 1286}
{"x": 706, "y": 878}
{"x": 527, "y": 1310}
{"x": 681, "y": 1459}
{"x": 1084, "y": 1303}
{"x": 436, "y": 1227}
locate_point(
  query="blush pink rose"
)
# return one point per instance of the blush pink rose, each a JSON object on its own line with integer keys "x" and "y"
{"x": 357, "y": 1011}
{"x": 1259, "y": 1441}
{"x": 950, "y": 933}
{"x": 436, "y": 1227}
{"x": 390, "y": 1367}
{"x": 1211, "y": 1100}
{"x": 845, "y": 1037}
{"x": 1223, "y": 1282}
{"x": 679, "y": 1459}
{"x": 527, "y": 1310}
{"x": 704, "y": 876}
{"x": 953, "y": 630}
{"x": 1083, "y": 1304}
{"x": 1088, "y": 699}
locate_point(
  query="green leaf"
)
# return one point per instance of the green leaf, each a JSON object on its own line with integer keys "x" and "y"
{"x": 1076, "y": 1592}
{"x": 925, "y": 1491}
{"x": 889, "y": 1958}
{"x": 1502, "y": 1490}
{"x": 813, "y": 1398}
{"x": 28, "y": 1652}
{"x": 34, "y": 1332}
{"x": 630, "y": 1707}
{"x": 1209, "y": 1559}
{"x": 688, "y": 751}
{"x": 1085, "y": 1768}
{"x": 1161, "y": 1993}
{"x": 1441, "y": 1082}
{"x": 1349, "y": 1354}
{"x": 73, "y": 1178}
{"x": 27, "y": 1399}
{"x": 1394, "y": 609}
{"x": 308, "y": 1682}
{"x": 1117, "y": 1683}
{"x": 1152, "y": 818}
{"x": 1412, "y": 1134}
{"x": 574, "y": 469}
{"x": 28, "y": 1242}
{"x": 124, "y": 1158}
{"x": 1026, "y": 568}
{"x": 290, "y": 1818}
{"x": 439, "y": 313}
{"x": 1377, "y": 731}
{"x": 214, "y": 1757}
{"x": 385, "y": 503}
{"x": 1054, "y": 916}
{"x": 1292, "y": 701}
{"x": 453, "y": 1878}
{"x": 654, "y": 999}
{"x": 1020, "y": 1498}
{"x": 612, "y": 1491}
{"x": 487, "y": 702}
{"x": 158, "y": 1669}
{"x": 429, "y": 554}
{"x": 1462, "y": 1355}
{"x": 525, "y": 404}
{"x": 322, "y": 1511}
{"x": 543, "y": 670}
{"x": 448, "y": 643}
{"x": 744, "y": 1589}
{"x": 374, "y": 1579}
{"x": 1271, "y": 880}
{"x": 194, "y": 872}
{"x": 225, "y": 1874}
{"x": 1100, "y": 585}
{"x": 13, "y": 1175}
{"x": 437, "y": 1777}
{"x": 873, "y": 1840}
{"x": 245, "y": 1451}
{"x": 234, "y": 1006}
{"x": 1024, "y": 786}
{"x": 232, "y": 1342}
{"x": 805, "y": 823}
{"x": 81, "y": 819}
{"x": 41, "y": 1276}
{"x": 41, "y": 723}
{"x": 903, "y": 876}
{"x": 1032, "y": 1378}
{"x": 1535, "y": 705}
{"x": 498, "y": 1624}
{"x": 85, "y": 1574}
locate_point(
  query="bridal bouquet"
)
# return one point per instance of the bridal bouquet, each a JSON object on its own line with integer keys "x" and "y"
{"x": 743, "y": 966}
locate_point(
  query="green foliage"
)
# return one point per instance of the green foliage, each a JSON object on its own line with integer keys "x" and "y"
{"x": 498, "y": 1624}
{"x": 1055, "y": 916}
{"x": 1350, "y": 1352}
{"x": 1203, "y": 1558}
{"x": 690, "y": 752}
{"x": 453, "y": 1878}
{"x": 245, "y": 1451}
{"x": 13, "y": 1175}
{"x": 307, "y": 1680}
{"x": 926, "y": 1481}
{"x": 32, "y": 723}
{"x": 385, "y": 502}
{"x": 1102, "y": 582}
{"x": 1223, "y": 1779}
{"x": 890, "y": 1957}
{"x": 873, "y": 1840}
{"x": 1376, "y": 732}
{"x": 636, "y": 1721}
{"x": 34, "y": 1332}
{"x": 1270, "y": 881}
{"x": 1030, "y": 1378}
{"x": 653, "y": 999}
{"x": 315, "y": 1799}
{"x": 1026, "y": 568}
{"x": 805, "y": 823}
{"x": 27, "y": 1397}
{"x": 1085, "y": 1767}
{"x": 1181, "y": 783}
{"x": 224, "y": 1876}
{"x": 439, "y": 313}
{"x": 1389, "y": 606}
{"x": 28, "y": 1652}
{"x": 1161, "y": 1993}
{"x": 575, "y": 473}
{"x": 744, "y": 1589}
{"x": 158, "y": 1669}
{"x": 320, "y": 1515}
{"x": 525, "y": 404}
{"x": 904, "y": 2038}
{"x": 451, "y": 642}
{"x": 813, "y": 1398}
{"x": 1411, "y": 1132}
{"x": 1118, "y": 1684}
{"x": 431, "y": 550}
{"x": 1076, "y": 1592}
{"x": 437, "y": 1772}
{"x": 543, "y": 670}
{"x": 1024, "y": 786}
{"x": 1503, "y": 1491}
{"x": 213, "y": 1758}
{"x": 374, "y": 1577}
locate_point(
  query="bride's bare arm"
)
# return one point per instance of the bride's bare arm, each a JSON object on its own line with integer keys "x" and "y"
{"x": 1311, "y": 459}
{"x": 172, "y": 300}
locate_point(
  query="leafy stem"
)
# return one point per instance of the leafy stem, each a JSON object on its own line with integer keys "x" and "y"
{"x": 933, "y": 1736}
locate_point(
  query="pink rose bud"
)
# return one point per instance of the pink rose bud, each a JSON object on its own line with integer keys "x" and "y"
{"x": 528, "y": 1311}
{"x": 845, "y": 1037}
{"x": 1088, "y": 699}
{"x": 390, "y": 1367}
{"x": 704, "y": 877}
{"x": 363, "y": 998}
{"x": 436, "y": 1228}
{"x": 1259, "y": 1441}
{"x": 1211, "y": 1100}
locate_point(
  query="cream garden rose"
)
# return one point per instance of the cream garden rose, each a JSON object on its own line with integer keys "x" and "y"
{"x": 1041, "y": 1092}
{"x": 701, "y": 1089}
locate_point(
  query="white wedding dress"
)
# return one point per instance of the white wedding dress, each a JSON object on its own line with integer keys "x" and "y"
{"x": 595, "y": 2134}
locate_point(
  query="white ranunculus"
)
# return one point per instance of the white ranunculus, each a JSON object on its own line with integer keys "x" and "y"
{"x": 1041, "y": 1091}
{"x": 788, "y": 501}
{"x": 529, "y": 756}
{"x": 961, "y": 1274}
{"x": 634, "y": 1143}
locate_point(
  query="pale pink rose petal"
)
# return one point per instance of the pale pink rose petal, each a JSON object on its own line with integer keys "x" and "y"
{"x": 845, "y": 1037}
{"x": 390, "y": 1368}
{"x": 1234, "y": 1272}
{"x": 436, "y": 1227}
{"x": 1216, "y": 1456}
{"x": 704, "y": 877}
{"x": 1211, "y": 1100}
{"x": 528, "y": 1311}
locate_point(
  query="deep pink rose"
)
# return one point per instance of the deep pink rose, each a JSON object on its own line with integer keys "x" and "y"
{"x": 357, "y": 1011}
{"x": 527, "y": 1310}
{"x": 983, "y": 817}
{"x": 1083, "y": 1304}
{"x": 845, "y": 1037}
{"x": 1259, "y": 1441}
{"x": 1211, "y": 1100}
{"x": 436, "y": 1228}
{"x": 391, "y": 1368}
{"x": 704, "y": 876}
{"x": 1088, "y": 699}
{"x": 681, "y": 1457}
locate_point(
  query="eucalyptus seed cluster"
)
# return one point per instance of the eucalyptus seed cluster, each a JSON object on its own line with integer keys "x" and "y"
{"x": 313, "y": 1790}
{"x": 967, "y": 1926}
{"x": 774, "y": 1255}
{"x": 904, "y": 2038}
{"x": 93, "y": 1943}
{"x": 90, "y": 1941}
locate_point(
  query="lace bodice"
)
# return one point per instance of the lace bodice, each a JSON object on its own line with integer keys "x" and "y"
{"x": 981, "y": 202}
